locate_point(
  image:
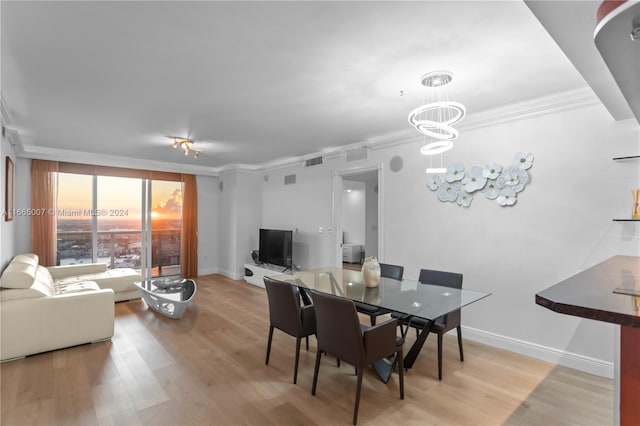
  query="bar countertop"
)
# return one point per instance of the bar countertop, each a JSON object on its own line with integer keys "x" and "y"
{"x": 589, "y": 294}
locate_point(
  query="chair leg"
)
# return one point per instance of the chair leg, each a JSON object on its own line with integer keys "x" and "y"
{"x": 295, "y": 369}
{"x": 315, "y": 372}
{"x": 400, "y": 371}
{"x": 372, "y": 318}
{"x": 269, "y": 344}
{"x": 439, "y": 356}
{"x": 357, "y": 403}
{"x": 403, "y": 331}
{"x": 460, "y": 343}
{"x": 307, "y": 340}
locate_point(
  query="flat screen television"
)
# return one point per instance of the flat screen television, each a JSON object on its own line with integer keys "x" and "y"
{"x": 275, "y": 247}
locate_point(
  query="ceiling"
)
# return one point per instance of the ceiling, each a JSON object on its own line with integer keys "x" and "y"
{"x": 254, "y": 83}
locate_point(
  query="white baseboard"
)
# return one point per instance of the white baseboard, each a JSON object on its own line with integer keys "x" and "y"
{"x": 207, "y": 271}
{"x": 556, "y": 356}
{"x": 231, "y": 274}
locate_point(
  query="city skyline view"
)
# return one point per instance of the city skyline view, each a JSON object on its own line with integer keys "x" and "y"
{"x": 118, "y": 222}
{"x": 118, "y": 199}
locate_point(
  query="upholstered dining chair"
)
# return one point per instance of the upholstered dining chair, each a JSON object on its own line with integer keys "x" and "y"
{"x": 339, "y": 333}
{"x": 288, "y": 315}
{"x": 388, "y": 271}
{"x": 446, "y": 322}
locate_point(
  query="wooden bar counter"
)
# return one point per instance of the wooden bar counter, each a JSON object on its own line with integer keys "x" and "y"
{"x": 590, "y": 294}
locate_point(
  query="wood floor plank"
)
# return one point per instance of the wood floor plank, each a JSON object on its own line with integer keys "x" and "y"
{"x": 208, "y": 368}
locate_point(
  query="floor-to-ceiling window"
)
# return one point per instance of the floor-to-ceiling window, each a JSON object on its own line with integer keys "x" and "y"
{"x": 74, "y": 226}
{"x": 118, "y": 217}
{"x": 166, "y": 221}
{"x": 102, "y": 219}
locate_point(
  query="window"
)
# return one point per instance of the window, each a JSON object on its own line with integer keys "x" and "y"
{"x": 75, "y": 242}
{"x": 100, "y": 219}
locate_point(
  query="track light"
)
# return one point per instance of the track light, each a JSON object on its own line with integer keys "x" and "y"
{"x": 186, "y": 144}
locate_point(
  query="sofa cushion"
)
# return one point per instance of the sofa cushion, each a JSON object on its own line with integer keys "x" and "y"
{"x": 28, "y": 258}
{"x": 19, "y": 275}
{"x": 76, "y": 287}
{"x": 44, "y": 276}
{"x": 120, "y": 280}
{"x": 68, "y": 271}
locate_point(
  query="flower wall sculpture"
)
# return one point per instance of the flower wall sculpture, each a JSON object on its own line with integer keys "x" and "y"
{"x": 496, "y": 182}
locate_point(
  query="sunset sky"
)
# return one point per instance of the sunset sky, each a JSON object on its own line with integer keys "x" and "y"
{"x": 114, "y": 193}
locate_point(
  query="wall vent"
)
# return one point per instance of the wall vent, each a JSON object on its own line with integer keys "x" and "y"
{"x": 357, "y": 154}
{"x": 313, "y": 161}
{"x": 289, "y": 179}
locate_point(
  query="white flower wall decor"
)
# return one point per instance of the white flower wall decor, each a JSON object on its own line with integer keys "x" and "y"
{"x": 502, "y": 184}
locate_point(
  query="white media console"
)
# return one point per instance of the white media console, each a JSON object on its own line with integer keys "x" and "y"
{"x": 254, "y": 274}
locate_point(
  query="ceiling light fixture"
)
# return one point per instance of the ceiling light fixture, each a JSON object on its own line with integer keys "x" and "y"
{"x": 186, "y": 144}
{"x": 434, "y": 119}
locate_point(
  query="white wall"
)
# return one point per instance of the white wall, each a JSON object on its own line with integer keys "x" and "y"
{"x": 23, "y": 199}
{"x": 8, "y": 230}
{"x": 561, "y": 224}
{"x": 239, "y": 217}
{"x": 227, "y": 220}
{"x": 354, "y": 213}
{"x": 207, "y": 225}
{"x": 303, "y": 207}
{"x": 371, "y": 219}
{"x": 249, "y": 219}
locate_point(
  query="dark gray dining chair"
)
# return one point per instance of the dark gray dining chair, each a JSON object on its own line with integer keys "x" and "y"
{"x": 339, "y": 333}
{"x": 387, "y": 271}
{"x": 287, "y": 314}
{"x": 445, "y": 323}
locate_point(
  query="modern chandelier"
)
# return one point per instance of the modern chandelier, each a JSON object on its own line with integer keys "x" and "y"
{"x": 434, "y": 119}
{"x": 186, "y": 144}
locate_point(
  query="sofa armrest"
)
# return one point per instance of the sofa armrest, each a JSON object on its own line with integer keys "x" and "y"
{"x": 59, "y": 272}
{"x": 30, "y": 326}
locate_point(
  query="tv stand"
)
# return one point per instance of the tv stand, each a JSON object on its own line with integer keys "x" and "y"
{"x": 254, "y": 274}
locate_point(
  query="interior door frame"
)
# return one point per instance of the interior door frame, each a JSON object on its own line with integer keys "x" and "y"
{"x": 336, "y": 209}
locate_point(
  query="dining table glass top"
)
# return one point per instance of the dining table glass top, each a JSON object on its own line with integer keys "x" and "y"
{"x": 409, "y": 297}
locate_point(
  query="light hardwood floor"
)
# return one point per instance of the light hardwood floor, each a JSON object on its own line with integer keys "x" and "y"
{"x": 208, "y": 368}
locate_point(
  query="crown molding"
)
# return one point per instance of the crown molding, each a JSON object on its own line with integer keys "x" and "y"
{"x": 11, "y": 135}
{"x": 4, "y": 112}
{"x": 551, "y": 104}
{"x": 56, "y": 154}
{"x": 522, "y": 110}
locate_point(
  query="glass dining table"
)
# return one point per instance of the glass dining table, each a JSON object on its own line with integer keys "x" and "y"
{"x": 409, "y": 298}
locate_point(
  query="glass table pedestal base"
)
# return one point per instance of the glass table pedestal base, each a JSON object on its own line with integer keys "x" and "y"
{"x": 168, "y": 296}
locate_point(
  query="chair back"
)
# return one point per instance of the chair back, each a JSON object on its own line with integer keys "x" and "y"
{"x": 391, "y": 271}
{"x": 284, "y": 306}
{"x": 338, "y": 328}
{"x": 443, "y": 278}
{"x": 446, "y": 279}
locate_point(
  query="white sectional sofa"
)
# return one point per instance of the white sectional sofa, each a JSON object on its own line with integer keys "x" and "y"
{"x": 121, "y": 281}
{"x": 43, "y": 309}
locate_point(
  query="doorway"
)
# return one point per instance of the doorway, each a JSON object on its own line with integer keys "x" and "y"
{"x": 357, "y": 218}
